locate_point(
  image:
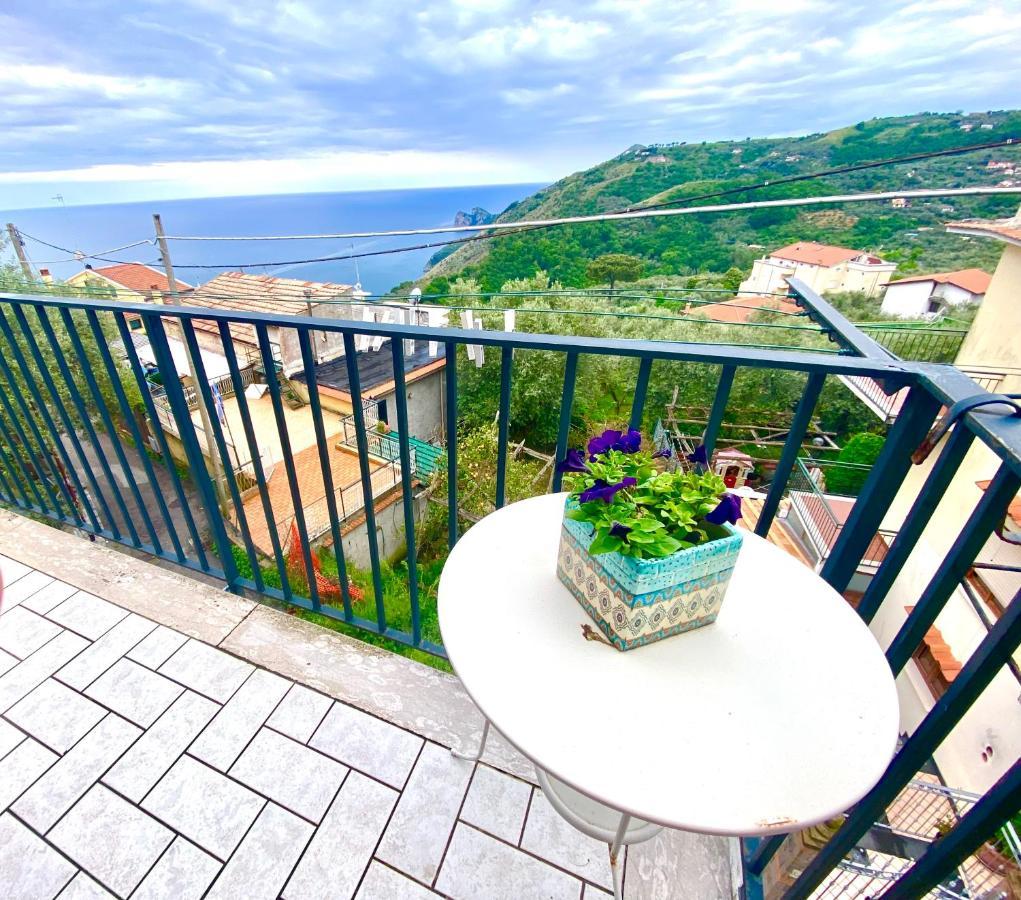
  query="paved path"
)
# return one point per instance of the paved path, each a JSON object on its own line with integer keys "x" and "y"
{"x": 138, "y": 762}
{"x": 164, "y": 485}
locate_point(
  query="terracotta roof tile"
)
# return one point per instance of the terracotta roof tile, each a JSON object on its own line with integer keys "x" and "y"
{"x": 940, "y": 650}
{"x": 1006, "y": 229}
{"x": 261, "y": 293}
{"x": 737, "y": 310}
{"x": 1013, "y": 510}
{"x": 811, "y": 253}
{"x": 137, "y": 277}
{"x": 974, "y": 281}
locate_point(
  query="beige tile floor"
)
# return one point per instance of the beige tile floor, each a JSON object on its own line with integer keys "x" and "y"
{"x": 138, "y": 762}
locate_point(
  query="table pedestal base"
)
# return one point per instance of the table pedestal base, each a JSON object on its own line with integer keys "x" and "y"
{"x": 614, "y": 828}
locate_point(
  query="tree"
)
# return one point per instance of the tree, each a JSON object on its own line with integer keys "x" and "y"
{"x": 613, "y": 267}
{"x": 858, "y": 456}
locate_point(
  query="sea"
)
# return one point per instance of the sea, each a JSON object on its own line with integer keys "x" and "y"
{"x": 94, "y": 229}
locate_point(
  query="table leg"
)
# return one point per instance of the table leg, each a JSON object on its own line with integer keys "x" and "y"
{"x": 618, "y": 840}
{"x": 460, "y": 754}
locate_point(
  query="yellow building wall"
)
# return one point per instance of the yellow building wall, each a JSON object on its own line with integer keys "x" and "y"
{"x": 994, "y": 339}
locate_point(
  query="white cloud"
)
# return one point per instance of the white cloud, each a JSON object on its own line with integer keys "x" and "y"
{"x": 362, "y": 169}
{"x": 532, "y": 96}
{"x": 545, "y": 36}
{"x": 50, "y": 79}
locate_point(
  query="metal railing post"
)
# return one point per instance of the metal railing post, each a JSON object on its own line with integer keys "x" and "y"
{"x": 890, "y": 469}
{"x": 165, "y": 362}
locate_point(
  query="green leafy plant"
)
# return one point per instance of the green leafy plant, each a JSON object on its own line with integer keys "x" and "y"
{"x": 639, "y": 509}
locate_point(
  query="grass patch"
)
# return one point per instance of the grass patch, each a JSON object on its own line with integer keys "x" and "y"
{"x": 396, "y": 601}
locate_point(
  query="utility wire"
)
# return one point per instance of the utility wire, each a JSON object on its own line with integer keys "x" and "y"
{"x": 77, "y": 255}
{"x": 637, "y": 214}
{"x": 53, "y": 290}
{"x": 206, "y": 295}
{"x": 623, "y": 213}
{"x": 523, "y": 227}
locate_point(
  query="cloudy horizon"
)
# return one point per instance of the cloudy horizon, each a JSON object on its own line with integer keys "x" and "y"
{"x": 206, "y": 98}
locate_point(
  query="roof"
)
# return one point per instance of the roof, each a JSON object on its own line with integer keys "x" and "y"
{"x": 262, "y": 294}
{"x": 375, "y": 368}
{"x": 741, "y": 309}
{"x": 136, "y": 277}
{"x": 975, "y": 281}
{"x": 1013, "y": 510}
{"x": 1008, "y": 230}
{"x": 814, "y": 254}
{"x": 940, "y": 650}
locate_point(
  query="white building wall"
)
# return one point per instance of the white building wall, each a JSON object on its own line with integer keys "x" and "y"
{"x": 425, "y": 407}
{"x": 953, "y": 295}
{"x": 908, "y": 301}
{"x": 995, "y": 719}
{"x": 769, "y": 275}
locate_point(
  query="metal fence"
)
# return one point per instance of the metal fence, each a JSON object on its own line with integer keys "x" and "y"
{"x": 922, "y": 343}
{"x": 73, "y": 391}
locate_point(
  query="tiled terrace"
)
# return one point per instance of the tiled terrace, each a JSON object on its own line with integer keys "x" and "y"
{"x": 160, "y": 738}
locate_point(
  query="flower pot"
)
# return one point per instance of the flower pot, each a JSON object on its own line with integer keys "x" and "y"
{"x": 638, "y": 601}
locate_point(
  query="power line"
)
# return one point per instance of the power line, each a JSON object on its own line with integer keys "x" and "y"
{"x": 523, "y": 227}
{"x": 637, "y": 214}
{"x": 525, "y": 310}
{"x": 623, "y": 213}
{"x": 77, "y": 255}
{"x": 843, "y": 170}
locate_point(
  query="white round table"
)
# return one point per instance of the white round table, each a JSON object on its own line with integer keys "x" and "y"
{"x": 781, "y": 714}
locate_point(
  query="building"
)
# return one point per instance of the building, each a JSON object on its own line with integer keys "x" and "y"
{"x": 741, "y": 309}
{"x": 988, "y": 739}
{"x": 824, "y": 268}
{"x": 131, "y": 282}
{"x": 928, "y": 295}
{"x": 423, "y": 375}
{"x": 286, "y": 296}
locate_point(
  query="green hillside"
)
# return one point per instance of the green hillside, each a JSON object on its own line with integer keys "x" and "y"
{"x": 913, "y": 237}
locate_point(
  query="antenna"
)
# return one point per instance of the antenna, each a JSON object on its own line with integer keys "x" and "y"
{"x": 358, "y": 277}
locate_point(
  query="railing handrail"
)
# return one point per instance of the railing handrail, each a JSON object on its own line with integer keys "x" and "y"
{"x": 929, "y": 387}
{"x": 679, "y": 351}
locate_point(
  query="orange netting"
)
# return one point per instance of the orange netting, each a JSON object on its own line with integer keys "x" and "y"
{"x": 325, "y": 586}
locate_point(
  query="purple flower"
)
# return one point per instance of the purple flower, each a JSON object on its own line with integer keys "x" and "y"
{"x": 602, "y": 442}
{"x": 605, "y": 492}
{"x": 699, "y": 457}
{"x": 665, "y": 453}
{"x": 574, "y": 461}
{"x": 611, "y": 439}
{"x": 619, "y": 531}
{"x": 729, "y": 510}
{"x": 629, "y": 442}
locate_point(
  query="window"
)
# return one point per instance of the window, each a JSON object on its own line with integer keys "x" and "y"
{"x": 984, "y": 593}
{"x": 930, "y": 670}
{"x": 935, "y": 660}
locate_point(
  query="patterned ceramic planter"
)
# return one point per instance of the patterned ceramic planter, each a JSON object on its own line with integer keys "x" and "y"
{"x": 638, "y": 601}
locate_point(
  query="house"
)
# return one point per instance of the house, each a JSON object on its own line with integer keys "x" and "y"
{"x": 900, "y": 203}
{"x": 423, "y": 375}
{"x": 823, "y": 267}
{"x": 924, "y": 295}
{"x": 131, "y": 282}
{"x": 987, "y": 740}
{"x": 287, "y": 296}
{"x": 741, "y": 309}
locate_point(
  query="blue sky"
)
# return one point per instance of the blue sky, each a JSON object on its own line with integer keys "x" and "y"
{"x": 108, "y": 101}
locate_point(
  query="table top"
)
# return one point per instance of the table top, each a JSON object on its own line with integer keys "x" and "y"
{"x": 781, "y": 714}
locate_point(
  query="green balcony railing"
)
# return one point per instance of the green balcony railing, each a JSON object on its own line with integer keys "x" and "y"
{"x": 80, "y": 438}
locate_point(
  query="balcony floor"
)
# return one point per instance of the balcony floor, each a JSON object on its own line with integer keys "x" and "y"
{"x": 161, "y": 738}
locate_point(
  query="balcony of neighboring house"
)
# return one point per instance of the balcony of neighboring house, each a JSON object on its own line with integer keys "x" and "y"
{"x": 221, "y": 672}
